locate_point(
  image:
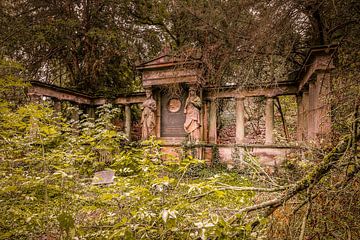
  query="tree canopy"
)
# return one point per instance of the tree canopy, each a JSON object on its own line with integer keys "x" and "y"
{"x": 94, "y": 45}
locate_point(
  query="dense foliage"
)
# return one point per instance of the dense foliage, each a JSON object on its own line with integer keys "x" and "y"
{"x": 47, "y": 161}
{"x": 94, "y": 46}
{"x": 46, "y": 187}
{"x": 47, "y": 164}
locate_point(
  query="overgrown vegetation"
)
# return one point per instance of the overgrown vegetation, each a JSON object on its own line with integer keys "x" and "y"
{"x": 47, "y": 161}
{"x": 47, "y": 165}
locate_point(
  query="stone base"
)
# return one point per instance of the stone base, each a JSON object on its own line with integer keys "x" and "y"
{"x": 232, "y": 155}
{"x": 270, "y": 156}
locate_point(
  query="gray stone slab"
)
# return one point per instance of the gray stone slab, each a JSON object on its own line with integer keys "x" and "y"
{"x": 103, "y": 177}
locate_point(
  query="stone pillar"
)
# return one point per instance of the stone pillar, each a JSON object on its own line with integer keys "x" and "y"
{"x": 57, "y": 106}
{"x": 212, "y": 121}
{"x": 206, "y": 122}
{"x": 75, "y": 116}
{"x": 128, "y": 121}
{"x": 90, "y": 110}
{"x": 157, "y": 96}
{"x": 269, "y": 121}
{"x": 305, "y": 112}
{"x": 75, "y": 112}
{"x": 312, "y": 112}
{"x": 300, "y": 117}
{"x": 323, "y": 113}
{"x": 35, "y": 98}
{"x": 240, "y": 121}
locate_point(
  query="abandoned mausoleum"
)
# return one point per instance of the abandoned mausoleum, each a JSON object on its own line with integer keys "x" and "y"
{"x": 180, "y": 108}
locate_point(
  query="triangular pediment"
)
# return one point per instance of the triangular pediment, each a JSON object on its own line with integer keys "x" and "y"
{"x": 160, "y": 61}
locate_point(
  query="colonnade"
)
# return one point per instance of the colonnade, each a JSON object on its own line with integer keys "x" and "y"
{"x": 313, "y": 114}
{"x": 90, "y": 110}
{"x": 240, "y": 134}
{"x": 311, "y": 86}
{"x": 314, "y": 109}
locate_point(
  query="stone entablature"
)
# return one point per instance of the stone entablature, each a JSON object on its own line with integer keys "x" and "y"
{"x": 158, "y": 78}
{"x": 270, "y": 90}
{"x": 318, "y": 59}
{"x": 38, "y": 88}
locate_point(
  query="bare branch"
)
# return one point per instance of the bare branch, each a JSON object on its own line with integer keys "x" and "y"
{"x": 310, "y": 179}
{"x": 242, "y": 189}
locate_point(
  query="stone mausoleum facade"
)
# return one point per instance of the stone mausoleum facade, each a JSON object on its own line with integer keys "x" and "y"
{"x": 180, "y": 111}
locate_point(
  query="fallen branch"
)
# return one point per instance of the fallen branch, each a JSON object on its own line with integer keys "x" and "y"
{"x": 256, "y": 189}
{"x": 310, "y": 179}
{"x": 243, "y": 189}
{"x": 304, "y": 203}
{"x": 303, "y": 224}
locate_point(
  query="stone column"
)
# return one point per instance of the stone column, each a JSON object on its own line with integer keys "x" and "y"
{"x": 269, "y": 121}
{"x": 128, "y": 121}
{"x": 240, "y": 121}
{"x": 206, "y": 122}
{"x": 312, "y": 123}
{"x": 300, "y": 118}
{"x": 75, "y": 112}
{"x": 323, "y": 113}
{"x": 212, "y": 121}
{"x": 57, "y": 105}
{"x": 35, "y": 98}
{"x": 157, "y": 96}
{"x": 90, "y": 110}
{"x": 57, "y": 108}
{"x": 305, "y": 118}
{"x": 75, "y": 116}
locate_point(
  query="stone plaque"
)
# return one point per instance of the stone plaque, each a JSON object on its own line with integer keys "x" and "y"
{"x": 103, "y": 177}
{"x": 174, "y": 105}
{"x": 172, "y": 116}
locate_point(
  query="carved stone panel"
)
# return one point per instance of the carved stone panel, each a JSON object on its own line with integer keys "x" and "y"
{"x": 174, "y": 105}
{"x": 172, "y": 116}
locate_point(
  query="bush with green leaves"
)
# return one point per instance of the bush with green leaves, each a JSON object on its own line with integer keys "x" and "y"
{"x": 46, "y": 191}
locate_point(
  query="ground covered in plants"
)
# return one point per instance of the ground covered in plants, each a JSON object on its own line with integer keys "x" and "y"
{"x": 48, "y": 162}
{"x": 47, "y": 167}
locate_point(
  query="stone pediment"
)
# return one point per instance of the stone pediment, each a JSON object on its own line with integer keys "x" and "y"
{"x": 160, "y": 61}
{"x": 168, "y": 69}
